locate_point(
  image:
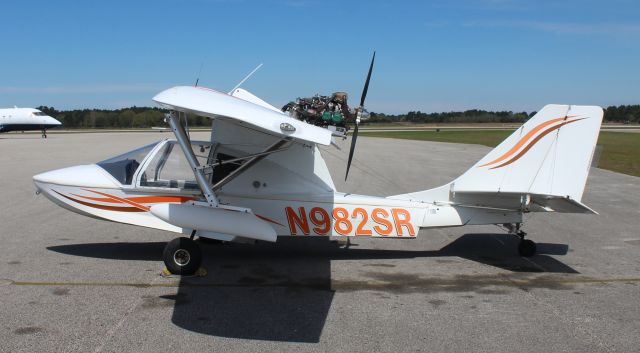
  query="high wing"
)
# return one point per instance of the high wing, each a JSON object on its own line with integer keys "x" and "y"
{"x": 217, "y": 105}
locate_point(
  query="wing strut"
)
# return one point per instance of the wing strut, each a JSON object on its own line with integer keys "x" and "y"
{"x": 185, "y": 144}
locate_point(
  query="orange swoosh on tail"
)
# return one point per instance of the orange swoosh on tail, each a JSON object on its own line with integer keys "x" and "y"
{"x": 524, "y": 139}
{"x": 533, "y": 142}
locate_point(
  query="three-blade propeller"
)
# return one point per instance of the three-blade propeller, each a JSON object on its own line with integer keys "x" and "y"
{"x": 359, "y": 112}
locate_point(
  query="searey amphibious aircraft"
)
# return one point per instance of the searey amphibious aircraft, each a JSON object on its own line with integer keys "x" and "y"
{"x": 261, "y": 175}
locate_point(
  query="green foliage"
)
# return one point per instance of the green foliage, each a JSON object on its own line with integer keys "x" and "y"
{"x": 622, "y": 114}
{"x": 134, "y": 117}
{"x": 489, "y": 138}
{"x": 620, "y": 152}
{"x": 469, "y": 116}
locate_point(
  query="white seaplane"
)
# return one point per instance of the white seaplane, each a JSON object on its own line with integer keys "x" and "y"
{"x": 261, "y": 175}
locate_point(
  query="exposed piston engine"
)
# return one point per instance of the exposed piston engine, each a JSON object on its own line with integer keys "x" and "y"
{"x": 324, "y": 111}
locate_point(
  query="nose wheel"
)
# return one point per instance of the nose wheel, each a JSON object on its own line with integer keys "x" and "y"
{"x": 182, "y": 256}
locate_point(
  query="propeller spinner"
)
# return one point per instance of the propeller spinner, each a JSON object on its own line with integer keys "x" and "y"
{"x": 359, "y": 112}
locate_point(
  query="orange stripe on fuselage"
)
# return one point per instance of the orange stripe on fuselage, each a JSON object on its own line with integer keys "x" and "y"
{"x": 102, "y": 207}
{"x": 157, "y": 199}
{"x": 134, "y": 204}
{"x": 269, "y": 220}
{"x": 524, "y": 139}
{"x": 140, "y": 199}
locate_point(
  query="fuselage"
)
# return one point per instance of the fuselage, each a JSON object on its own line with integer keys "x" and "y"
{"x": 262, "y": 175}
{"x": 125, "y": 189}
{"x": 24, "y": 119}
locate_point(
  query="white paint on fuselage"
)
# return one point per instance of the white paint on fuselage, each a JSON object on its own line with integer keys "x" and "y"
{"x": 25, "y": 119}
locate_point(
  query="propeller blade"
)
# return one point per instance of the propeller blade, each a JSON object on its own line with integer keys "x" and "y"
{"x": 359, "y": 110}
{"x": 366, "y": 83}
{"x": 354, "y": 137}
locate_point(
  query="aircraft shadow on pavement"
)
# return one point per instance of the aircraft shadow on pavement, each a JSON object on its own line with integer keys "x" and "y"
{"x": 282, "y": 292}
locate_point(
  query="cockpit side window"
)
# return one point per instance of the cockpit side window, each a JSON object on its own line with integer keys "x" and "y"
{"x": 169, "y": 167}
{"x": 39, "y": 114}
{"x": 124, "y": 166}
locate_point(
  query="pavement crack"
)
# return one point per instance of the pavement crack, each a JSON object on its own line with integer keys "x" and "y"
{"x": 132, "y": 307}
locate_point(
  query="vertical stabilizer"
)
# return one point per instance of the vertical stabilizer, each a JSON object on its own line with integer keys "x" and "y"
{"x": 550, "y": 155}
{"x": 545, "y": 162}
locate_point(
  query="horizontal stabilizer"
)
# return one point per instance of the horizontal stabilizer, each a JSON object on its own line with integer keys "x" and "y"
{"x": 519, "y": 202}
{"x": 562, "y": 205}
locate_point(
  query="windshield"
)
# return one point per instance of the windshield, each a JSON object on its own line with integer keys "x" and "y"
{"x": 124, "y": 166}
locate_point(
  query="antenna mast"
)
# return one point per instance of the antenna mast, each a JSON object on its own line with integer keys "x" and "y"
{"x": 245, "y": 78}
{"x": 199, "y": 73}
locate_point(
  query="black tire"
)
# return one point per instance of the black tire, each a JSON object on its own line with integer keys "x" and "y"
{"x": 182, "y": 256}
{"x": 209, "y": 241}
{"x": 527, "y": 248}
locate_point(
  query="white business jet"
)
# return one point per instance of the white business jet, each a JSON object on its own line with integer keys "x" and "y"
{"x": 23, "y": 119}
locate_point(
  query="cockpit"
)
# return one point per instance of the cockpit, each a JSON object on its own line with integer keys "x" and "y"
{"x": 123, "y": 167}
{"x": 163, "y": 165}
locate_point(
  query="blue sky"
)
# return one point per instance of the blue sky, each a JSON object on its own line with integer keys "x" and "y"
{"x": 431, "y": 55}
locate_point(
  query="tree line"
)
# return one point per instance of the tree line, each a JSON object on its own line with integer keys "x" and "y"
{"x": 134, "y": 117}
{"x": 468, "y": 116}
{"x": 145, "y": 117}
{"x": 619, "y": 114}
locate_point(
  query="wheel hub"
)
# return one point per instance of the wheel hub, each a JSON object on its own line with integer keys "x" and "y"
{"x": 181, "y": 257}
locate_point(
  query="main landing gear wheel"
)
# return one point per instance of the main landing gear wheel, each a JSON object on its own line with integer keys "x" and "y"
{"x": 527, "y": 248}
{"x": 209, "y": 241}
{"x": 182, "y": 256}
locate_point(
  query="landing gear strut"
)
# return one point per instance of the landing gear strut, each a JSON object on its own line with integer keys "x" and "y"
{"x": 526, "y": 247}
{"x": 44, "y": 133}
{"x": 182, "y": 256}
